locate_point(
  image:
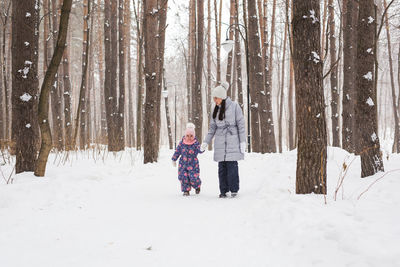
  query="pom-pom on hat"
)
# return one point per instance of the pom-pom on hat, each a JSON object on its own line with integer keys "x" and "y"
{"x": 190, "y": 129}
{"x": 220, "y": 90}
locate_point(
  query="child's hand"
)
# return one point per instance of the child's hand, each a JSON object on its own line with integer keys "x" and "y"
{"x": 203, "y": 147}
{"x": 174, "y": 163}
{"x": 242, "y": 147}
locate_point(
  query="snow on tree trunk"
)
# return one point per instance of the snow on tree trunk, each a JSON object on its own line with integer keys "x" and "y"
{"x": 25, "y": 46}
{"x": 150, "y": 31}
{"x": 349, "y": 76}
{"x": 366, "y": 109}
{"x": 310, "y": 108}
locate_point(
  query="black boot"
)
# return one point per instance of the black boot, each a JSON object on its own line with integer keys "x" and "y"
{"x": 198, "y": 191}
{"x": 222, "y": 195}
{"x": 186, "y": 194}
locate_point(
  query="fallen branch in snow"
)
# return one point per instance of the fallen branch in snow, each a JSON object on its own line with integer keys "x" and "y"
{"x": 366, "y": 190}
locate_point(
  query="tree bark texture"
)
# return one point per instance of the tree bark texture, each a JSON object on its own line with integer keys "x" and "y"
{"x": 25, "y": 47}
{"x": 310, "y": 109}
{"x": 150, "y": 30}
{"x": 349, "y": 76}
{"x": 366, "y": 109}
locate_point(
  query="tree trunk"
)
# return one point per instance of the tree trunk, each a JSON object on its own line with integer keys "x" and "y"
{"x": 80, "y": 120}
{"x": 366, "y": 110}
{"x": 396, "y": 141}
{"x": 209, "y": 74}
{"x": 310, "y": 107}
{"x": 349, "y": 76}
{"x": 218, "y": 38}
{"x": 255, "y": 76}
{"x": 130, "y": 129}
{"x": 56, "y": 95}
{"x": 121, "y": 102}
{"x": 292, "y": 126}
{"x": 197, "y": 95}
{"x": 140, "y": 90}
{"x": 238, "y": 56}
{"x": 162, "y": 16}
{"x": 282, "y": 90}
{"x": 101, "y": 71}
{"x": 45, "y": 90}
{"x": 229, "y": 68}
{"x": 67, "y": 99}
{"x": 333, "y": 75}
{"x": 150, "y": 28}
{"x": 25, "y": 47}
{"x": 170, "y": 142}
{"x": 5, "y": 71}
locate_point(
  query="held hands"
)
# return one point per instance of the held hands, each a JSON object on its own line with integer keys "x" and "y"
{"x": 242, "y": 147}
{"x": 203, "y": 147}
{"x": 174, "y": 163}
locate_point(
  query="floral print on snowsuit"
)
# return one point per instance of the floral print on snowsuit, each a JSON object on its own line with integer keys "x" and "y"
{"x": 188, "y": 168}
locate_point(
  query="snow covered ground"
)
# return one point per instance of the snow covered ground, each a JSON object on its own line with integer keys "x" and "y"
{"x": 119, "y": 212}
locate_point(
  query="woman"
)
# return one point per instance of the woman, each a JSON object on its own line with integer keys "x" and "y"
{"x": 228, "y": 126}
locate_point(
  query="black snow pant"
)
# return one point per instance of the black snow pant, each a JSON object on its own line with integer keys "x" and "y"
{"x": 228, "y": 174}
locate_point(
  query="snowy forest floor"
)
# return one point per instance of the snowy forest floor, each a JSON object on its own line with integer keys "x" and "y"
{"x": 119, "y": 212}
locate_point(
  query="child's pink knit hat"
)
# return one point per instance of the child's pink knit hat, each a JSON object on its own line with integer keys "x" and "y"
{"x": 190, "y": 129}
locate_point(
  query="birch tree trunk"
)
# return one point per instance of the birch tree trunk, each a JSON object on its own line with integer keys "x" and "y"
{"x": 333, "y": 75}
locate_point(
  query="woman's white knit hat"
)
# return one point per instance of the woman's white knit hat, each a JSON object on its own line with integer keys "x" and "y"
{"x": 220, "y": 90}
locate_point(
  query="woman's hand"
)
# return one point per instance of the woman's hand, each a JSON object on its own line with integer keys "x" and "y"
{"x": 242, "y": 147}
{"x": 203, "y": 147}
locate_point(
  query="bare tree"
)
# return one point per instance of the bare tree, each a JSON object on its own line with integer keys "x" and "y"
{"x": 55, "y": 93}
{"x": 150, "y": 31}
{"x": 255, "y": 75}
{"x": 49, "y": 78}
{"x": 310, "y": 109}
{"x": 25, "y": 46}
{"x": 349, "y": 75}
{"x": 396, "y": 141}
{"x": 5, "y": 18}
{"x": 197, "y": 95}
{"x": 218, "y": 36}
{"x": 162, "y": 25}
{"x": 333, "y": 75}
{"x": 366, "y": 109}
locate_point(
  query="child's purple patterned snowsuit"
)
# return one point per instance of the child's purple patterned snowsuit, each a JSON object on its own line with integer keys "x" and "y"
{"x": 189, "y": 170}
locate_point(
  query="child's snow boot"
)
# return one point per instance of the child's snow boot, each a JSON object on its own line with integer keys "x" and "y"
{"x": 186, "y": 193}
{"x": 198, "y": 191}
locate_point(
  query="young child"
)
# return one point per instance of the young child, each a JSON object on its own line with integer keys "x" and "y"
{"x": 189, "y": 170}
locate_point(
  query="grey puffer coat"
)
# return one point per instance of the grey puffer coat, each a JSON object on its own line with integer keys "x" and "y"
{"x": 229, "y": 133}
